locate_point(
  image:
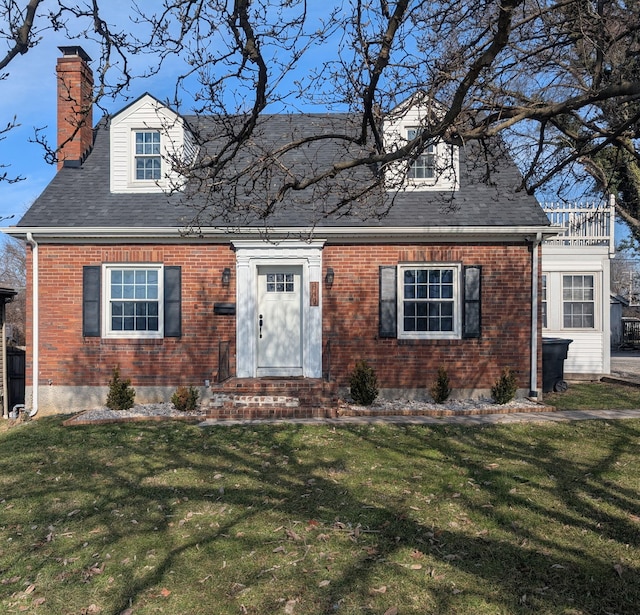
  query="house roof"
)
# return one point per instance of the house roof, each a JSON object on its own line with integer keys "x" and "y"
{"x": 80, "y": 198}
{"x": 7, "y": 294}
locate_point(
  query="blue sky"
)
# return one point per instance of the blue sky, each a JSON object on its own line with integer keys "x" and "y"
{"x": 29, "y": 92}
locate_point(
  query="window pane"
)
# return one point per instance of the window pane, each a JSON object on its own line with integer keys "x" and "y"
{"x": 429, "y": 300}
{"x": 134, "y": 300}
{"x": 578, "y": 301}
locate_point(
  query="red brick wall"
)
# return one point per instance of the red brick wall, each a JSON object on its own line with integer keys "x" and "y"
{"x": 351, "y": 317}
{"x": 68, "y": 358}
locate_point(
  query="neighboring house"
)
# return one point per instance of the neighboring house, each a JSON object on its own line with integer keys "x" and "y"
{"x": 618, "y": 304}
{"x": 575, "y": 285}
{"x": 6, "y": 296}
{"x": 449, "y": 277}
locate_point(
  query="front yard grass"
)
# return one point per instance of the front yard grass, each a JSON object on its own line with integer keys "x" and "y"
{"x": 306, "y": 520}
{"x": 596, "y": 396}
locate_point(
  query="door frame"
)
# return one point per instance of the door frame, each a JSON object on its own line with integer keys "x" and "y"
{"x": 251, "y": 254}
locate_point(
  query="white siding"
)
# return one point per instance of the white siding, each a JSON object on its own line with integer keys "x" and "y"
{"x": 146, "y": 114}
{"x": 589, "y": 353}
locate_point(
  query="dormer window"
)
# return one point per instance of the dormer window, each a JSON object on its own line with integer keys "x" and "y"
{"x": 147, "y": 141}
{"x": 436, "y": 167}
{"x": 424, "y": 166}
{"x": 147, "y": 156}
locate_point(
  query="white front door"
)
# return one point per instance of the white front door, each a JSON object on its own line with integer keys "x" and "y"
{"x": 279, "y": 321}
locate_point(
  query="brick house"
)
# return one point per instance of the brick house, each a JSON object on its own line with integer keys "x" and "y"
{"x": 449, "y": 276}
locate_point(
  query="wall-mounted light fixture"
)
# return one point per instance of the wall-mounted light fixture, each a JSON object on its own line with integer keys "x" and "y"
{"x": 226, "y": 276}
{"x": 329, "y": 277}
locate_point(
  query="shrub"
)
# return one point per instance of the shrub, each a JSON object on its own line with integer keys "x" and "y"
{"x": 185, "y": 399}
{"x": 121, "y": 394}
{"x": 364, "y": 384}
{"x": 440, "y": 389}
{"x": 504, "y": 390}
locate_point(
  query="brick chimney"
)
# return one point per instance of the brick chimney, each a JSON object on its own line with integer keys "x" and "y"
{"x": 75, "y": 108}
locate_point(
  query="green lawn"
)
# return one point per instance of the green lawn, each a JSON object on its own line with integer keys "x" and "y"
{"x": 172, "y": 518}
{"x": 595, "y": 396}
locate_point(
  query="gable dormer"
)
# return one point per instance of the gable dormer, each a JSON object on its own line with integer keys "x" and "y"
{"x": 148, "y": 141}
{"x": 437, "y": 167}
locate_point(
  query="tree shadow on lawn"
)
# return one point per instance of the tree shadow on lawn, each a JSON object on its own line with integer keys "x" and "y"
{"x": 446, "y": 527}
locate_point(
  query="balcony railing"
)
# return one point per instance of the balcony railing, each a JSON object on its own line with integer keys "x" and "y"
{"x": 583, "y": 224}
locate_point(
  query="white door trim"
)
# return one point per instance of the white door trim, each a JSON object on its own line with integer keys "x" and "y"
{"x": 249, "y": 256}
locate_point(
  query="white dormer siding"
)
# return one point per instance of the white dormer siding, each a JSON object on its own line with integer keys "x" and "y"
{"x": 436, "y": 169}
{"x": 151, "y": 121}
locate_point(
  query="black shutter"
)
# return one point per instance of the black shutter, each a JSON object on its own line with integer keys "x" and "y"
{"x": 471, "y": 301}
{"x": 172, "y": 302}
{"x": 91, "y": 301}
{"x": 388, "y": 302}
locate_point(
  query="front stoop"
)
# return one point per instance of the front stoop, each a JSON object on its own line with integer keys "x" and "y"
{"x": 272, "y": 398}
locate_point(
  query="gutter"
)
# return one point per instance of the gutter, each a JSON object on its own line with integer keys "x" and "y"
{"x": 35, "y": 333}
{"x": 360, "y": 234}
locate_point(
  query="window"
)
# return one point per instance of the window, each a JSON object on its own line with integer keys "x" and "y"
{"x": 133, "y": 307}
{"x": 132, "y": 301}
{"x": 280, "y": 283}
{"x": 543, "y": 301}
{"x": 429, "y": 301}
{"x": 424, "y": 166}
{"x": 578, "y": 305}
{"x": 147, "y": 157}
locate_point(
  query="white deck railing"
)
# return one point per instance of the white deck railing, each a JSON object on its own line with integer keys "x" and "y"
{"x": 584, "y": 224}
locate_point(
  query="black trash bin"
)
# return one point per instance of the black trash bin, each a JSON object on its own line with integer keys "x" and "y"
{"x": 554, "y": 352}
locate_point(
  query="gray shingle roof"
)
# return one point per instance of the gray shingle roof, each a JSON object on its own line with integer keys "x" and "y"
{"x": 80, "y": 197}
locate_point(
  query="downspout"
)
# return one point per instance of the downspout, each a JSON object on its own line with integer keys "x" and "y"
{"x": 35, "y": 327}
{"x": 535, "y": 250}
{"x": 5, "y": 383}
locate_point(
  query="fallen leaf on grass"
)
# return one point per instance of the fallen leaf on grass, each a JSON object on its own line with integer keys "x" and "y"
{"x": 378, "y": 590}
{"x": 324, "y": 583}
{"x": 618, "y": 568}
{"x": 392, "y": 611}
{"x": 165, "y": 593}
{"x": 290, "y": 607}
{"x": 292, "y": 535}
{"x": 30, "y": 589}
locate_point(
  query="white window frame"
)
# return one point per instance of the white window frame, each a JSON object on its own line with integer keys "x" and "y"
{"x": 456, "y": 300}
{"x": 575, "y": 300}
{"x": 555, "y": 301}
{"x": 428, "y": 159}
{"x": 107, "y": 331}
{"x": 145, "y": 156}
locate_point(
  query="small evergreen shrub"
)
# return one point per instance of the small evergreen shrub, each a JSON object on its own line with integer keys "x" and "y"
{"x": 185, "y": 399}
{"x": 121, "y": 394}
{"x": 440, "y": 389}
{"x": 504, "y": 390}
{"x": 364, "y": 384}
